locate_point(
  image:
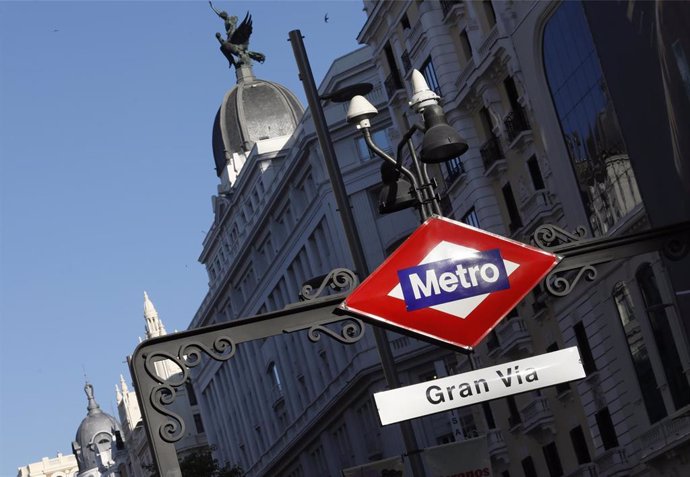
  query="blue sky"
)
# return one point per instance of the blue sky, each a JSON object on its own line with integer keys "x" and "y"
{"x": 106, "y": 175}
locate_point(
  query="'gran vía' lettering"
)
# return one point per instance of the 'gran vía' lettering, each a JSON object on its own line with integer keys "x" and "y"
{"x": 512, "y": 376}
{"x": 453, "y": 279}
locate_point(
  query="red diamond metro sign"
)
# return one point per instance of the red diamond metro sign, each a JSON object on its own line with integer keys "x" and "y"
{"x": 450, "y": 282}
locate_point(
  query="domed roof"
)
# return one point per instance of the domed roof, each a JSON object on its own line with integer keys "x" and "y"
{"x": 253, "y": 110}
{"x": 97, "y": 430}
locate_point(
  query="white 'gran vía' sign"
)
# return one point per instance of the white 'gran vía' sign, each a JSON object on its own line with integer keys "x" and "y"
{"x": 481, "y": 385}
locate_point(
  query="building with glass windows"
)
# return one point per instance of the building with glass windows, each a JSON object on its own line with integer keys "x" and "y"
{"x": 573, "y": 112}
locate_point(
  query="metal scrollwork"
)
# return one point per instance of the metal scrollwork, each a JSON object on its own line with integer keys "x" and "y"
{"x": 162, "y": 396}
{"x": 223, "y": 349}
{"x": 164, "y": 393}
{"x": 352, "y": 331}
{"x": 561, "y": 286}
{"x": 548, "y": 236}
{"x": 340, "y": 279}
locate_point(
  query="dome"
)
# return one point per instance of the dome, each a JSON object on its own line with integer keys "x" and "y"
{"x": 251, "y": 111}
{"x": 96, "y": 435}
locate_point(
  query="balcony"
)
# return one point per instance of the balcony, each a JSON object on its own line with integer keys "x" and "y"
{"x": 585, "y": 470}
{"x": 392, "y": 86}
{"x": 515, "y": 124}
{"x": 492, "y": 157}
{"x": 663, "y": 437}
{"x": 537, "y": 417}
{"x": 514, "y": 338}
{"x": 539, "y": 207}
{"x": 497, "y": 446}
{"x": 613, "y": 463}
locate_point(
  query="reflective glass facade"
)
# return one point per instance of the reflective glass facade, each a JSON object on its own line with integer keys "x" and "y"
{"x": 588, "y": 121}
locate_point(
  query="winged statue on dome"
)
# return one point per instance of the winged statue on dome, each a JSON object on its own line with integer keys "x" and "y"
{"x": 235, "y": 45}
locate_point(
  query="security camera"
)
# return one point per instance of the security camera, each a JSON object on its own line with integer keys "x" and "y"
{"x": 360, "y": 111}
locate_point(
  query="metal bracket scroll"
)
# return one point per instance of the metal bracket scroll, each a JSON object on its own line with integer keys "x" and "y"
{"x": 579, "y": 255}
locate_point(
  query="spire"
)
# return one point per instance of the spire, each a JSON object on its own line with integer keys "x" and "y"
{"x": 92, "y": 406}
{"x": 154, "y": 326}
{"x": 123, "y": 384}
{"x": 118, "y": 394}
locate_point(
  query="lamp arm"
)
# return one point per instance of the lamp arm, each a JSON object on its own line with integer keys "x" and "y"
{"x": 429, "y": 197}
{"x": 406, "y": 137}
{"x": 382, "y": 154}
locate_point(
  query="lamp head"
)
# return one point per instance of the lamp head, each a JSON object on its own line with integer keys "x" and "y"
{"x": 396, "y": 193}
{"x": 441, "y": 142}
{"x": 360, "y": 111}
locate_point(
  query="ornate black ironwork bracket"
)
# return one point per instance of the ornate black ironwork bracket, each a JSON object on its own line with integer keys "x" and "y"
{"x": 156, "y": 392}
{"x": 579, "y": 255}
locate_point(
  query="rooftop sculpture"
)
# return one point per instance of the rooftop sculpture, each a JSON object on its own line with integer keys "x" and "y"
{"x": 235, "y": 45}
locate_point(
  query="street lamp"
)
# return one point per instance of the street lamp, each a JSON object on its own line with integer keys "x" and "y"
{"x": 441, "y": 143}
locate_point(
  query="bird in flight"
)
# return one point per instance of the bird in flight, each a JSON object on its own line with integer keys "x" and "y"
{"x": 325, "y": 18}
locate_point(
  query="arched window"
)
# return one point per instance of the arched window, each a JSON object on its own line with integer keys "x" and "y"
{"x": 651, "y": 396}
{"x": 588, "y": 121}
{"x": 275, "y": 376}
{"x": 663, "y": 336}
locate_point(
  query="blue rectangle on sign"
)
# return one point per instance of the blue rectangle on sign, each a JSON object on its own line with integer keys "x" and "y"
{"x": 453, "y": 279}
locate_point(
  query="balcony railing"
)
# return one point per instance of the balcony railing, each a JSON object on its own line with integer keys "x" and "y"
{"x": 515, "y": 123}
{"x": 392, "y": 85}
{"x": 585, "y": 470}
{"x": 491, "y": 152}
{"x": 514, "y": 337}
{"x": 537, "y": 415}
{"x": 664, "y": 436}
{"x": 613, "y": 462}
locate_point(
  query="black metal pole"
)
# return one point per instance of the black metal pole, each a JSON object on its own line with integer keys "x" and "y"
{"x": 350, "y": 228}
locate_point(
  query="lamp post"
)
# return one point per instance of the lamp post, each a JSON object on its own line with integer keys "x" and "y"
{"x": 350, "y": 227}
{"x": 441, "y": 143}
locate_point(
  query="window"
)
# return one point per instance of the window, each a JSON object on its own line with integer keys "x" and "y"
{"x": 580, "y": 445}
{"x": 198, "y": 424}
{"x": 396, "y": 80}
{"x": 488, "y": 415}
{"x": 535, "y": 173}
{"x": 275, "y": 376}
{"x": 606, "y": 429}
{"x": 429, "y": 73}
{"x": 454, "y": 168}
{"x": 589, "y": 123}
{"x": 514, "y": 418}
{"x": 465, "y": 45}
{"x": 663, "y": 336}
{"x": 583, "y": 346}
{"x": 380, "y": 138}
{"x": 191, "y": 395}
{"x": 405, "y": 22}
{"x": 513, "y": 213}
{"x": 489, "y": 12}
{"x": 553, "y": 460}
{"x": 470, "y": 218}
{"x": 651, "y": 396}
{"x": 528, "y": 467}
